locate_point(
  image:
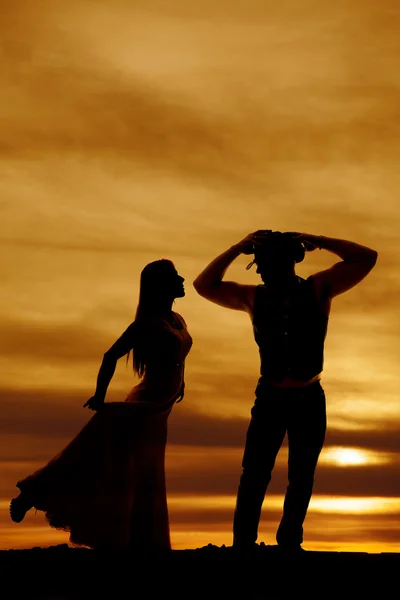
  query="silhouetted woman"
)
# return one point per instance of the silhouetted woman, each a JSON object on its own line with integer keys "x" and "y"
{"x": 107, "y": 487}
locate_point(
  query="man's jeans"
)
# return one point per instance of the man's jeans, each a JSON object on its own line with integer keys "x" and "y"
{"x": 301, "y": 413}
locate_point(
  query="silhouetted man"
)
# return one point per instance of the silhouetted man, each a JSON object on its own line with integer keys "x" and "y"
{"x": 290, "y": 318}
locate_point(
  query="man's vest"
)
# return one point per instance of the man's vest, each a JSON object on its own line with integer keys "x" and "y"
{"x": 290, "y": 339}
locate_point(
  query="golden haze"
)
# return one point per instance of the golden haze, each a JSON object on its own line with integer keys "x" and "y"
{"x": 156, "y": 129}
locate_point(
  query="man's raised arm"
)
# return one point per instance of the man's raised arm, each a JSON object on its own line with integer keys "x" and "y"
{"x": 209, "y": 283}
{"x": 357, "y": 261}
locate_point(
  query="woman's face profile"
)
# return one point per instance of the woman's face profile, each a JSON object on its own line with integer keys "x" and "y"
{"x": 172, "y": 282}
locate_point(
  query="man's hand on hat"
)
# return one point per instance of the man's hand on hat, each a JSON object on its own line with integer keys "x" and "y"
{"x": 310, "y": 242}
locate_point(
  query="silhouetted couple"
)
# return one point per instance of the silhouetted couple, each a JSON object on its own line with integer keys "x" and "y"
{"x": 107, "y": 487}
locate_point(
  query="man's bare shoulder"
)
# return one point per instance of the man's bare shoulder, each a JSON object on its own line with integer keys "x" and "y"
{"x": 230, "y": 294}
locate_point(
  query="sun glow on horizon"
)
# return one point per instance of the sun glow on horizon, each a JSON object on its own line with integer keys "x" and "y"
{"x": 344, "y": 456}
{"x": 325, "y": 504}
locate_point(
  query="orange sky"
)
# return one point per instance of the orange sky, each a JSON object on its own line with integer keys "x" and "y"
{"x": 135, "y": 131}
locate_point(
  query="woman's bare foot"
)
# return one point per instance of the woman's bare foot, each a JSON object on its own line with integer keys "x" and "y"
{"x": 19, "y": 507}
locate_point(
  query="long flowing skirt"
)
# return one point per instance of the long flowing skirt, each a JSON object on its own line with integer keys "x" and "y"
{"x": 107, "y": 486}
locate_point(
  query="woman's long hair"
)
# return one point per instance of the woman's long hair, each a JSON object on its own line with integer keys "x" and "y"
{"x": 152, "y": 279}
